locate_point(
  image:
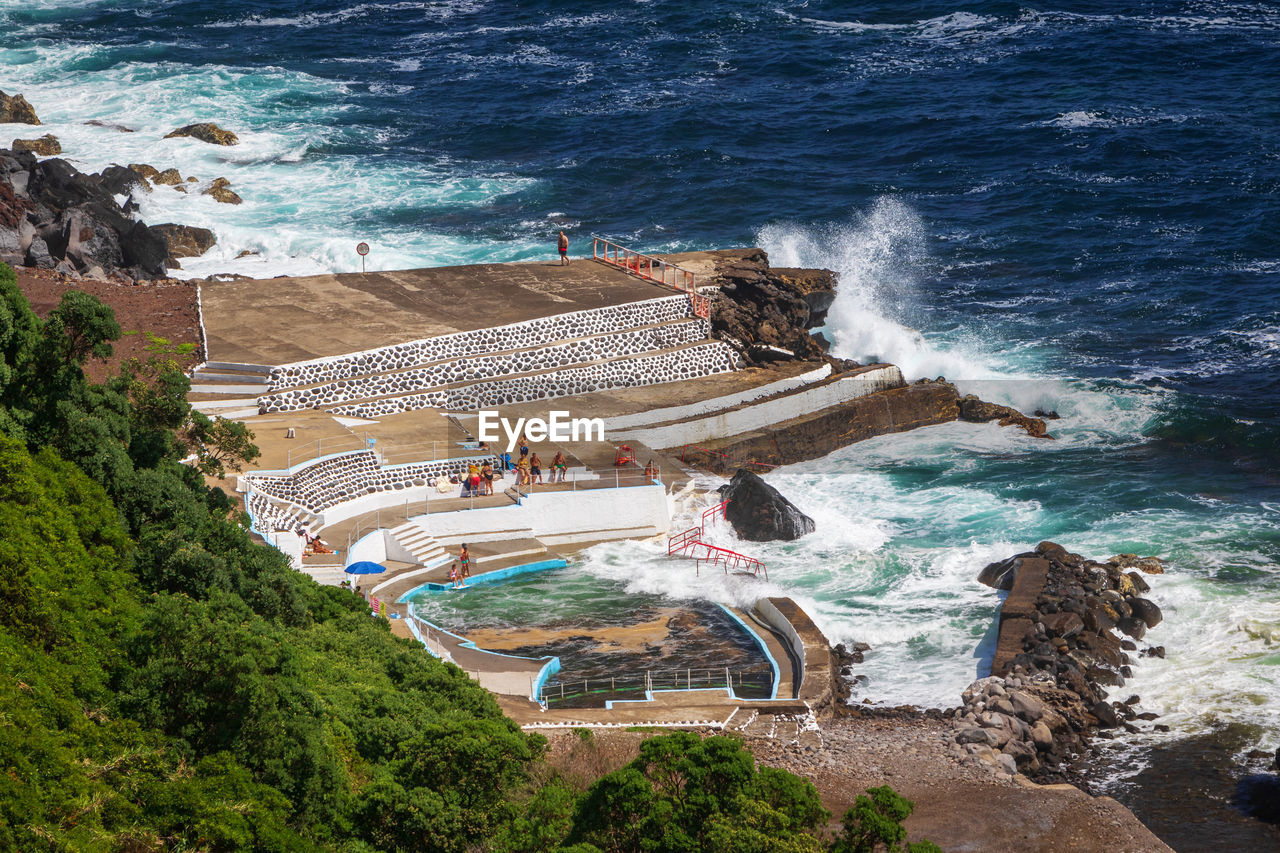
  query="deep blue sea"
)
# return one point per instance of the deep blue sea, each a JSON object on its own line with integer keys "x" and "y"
{"x": 1072, "y": 207}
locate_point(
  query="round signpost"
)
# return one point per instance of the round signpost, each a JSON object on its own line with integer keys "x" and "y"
{"x": 362, "y": 249}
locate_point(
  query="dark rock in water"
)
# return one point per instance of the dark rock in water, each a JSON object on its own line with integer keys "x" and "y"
{"x": 120, "y": 180}
{"x": 978, "y": 411}
{"x": 146, "y": 171}
{"x": 14, "y": 109}
{"x": 1135, "y": 628}
{"x": 1147, "y": 611}
{"x": 185, "y": 241}
{"x": 206, "y": 131}
{"x": 221, "y": 191}
{"x": 758, "y": 512}
{"x": 1106, "y": 715}
{"x": 46, "y": 146}
{"x": 1001, "y": 575}
{"x": 1050, "y": 415}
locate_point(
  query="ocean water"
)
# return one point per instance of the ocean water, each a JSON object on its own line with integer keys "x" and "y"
{"x": 1070, "y": 207}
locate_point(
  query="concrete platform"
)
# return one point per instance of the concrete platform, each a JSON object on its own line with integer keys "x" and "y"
{"x": 277, "y": 321}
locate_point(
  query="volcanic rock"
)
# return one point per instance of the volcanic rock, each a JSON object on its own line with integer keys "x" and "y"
{"x": 185, "y": 241}
{"x": 978, "y": 411}
{"x": 169, "y": 177}
{"x": 759, "y": 513}
{"x": 14, "y": 109}
{"x": 206, "y": 131}
{"x": 120, "y": 180}
{"x": 765, "y": 313}
{"x": 46, "y": 146}
{"x": 148, "y": 172}
{"x": 220, "y": 189}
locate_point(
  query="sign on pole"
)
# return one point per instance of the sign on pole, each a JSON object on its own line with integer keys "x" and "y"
{"x": 362, "y": 249}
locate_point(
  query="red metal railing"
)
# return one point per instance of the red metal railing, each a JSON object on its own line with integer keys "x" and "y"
{"x": 652, "y": 269}
{"x": 687, "y": 542}
{"x": 682, "y": 541}
{"x": 714, "y": 514}
{"x": 724, "y": 456}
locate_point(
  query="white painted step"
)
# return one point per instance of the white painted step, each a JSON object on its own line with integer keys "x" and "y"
{"x": 420, "y": 543}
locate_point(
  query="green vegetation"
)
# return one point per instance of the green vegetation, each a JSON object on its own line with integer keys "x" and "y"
{"x": 167, "y": 684}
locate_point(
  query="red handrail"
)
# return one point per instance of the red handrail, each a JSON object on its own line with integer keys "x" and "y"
{"x": 683, "y": 541}
{"x": 710, "y": 516}
{"x": 726, "y": 456}
{"x": 644, "y": 266}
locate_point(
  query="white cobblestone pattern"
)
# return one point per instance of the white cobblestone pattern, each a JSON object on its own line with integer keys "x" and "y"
{"x": 268, "y": 516}
{"x": 348, "y": 476}
{"x": 456, "y": 371}
{"x": 689, "y": 363}
{"x": 576, "y": 324}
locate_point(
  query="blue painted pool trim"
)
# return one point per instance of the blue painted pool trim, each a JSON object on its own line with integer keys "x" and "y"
{"x": 549, "y": 668}
{"x": 764, "y": 647}
{"x": 496, "y": 576}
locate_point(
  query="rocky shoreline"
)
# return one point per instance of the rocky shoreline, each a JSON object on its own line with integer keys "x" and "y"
{"x": 55, "y": 217}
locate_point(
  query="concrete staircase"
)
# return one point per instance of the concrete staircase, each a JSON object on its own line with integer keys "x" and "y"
{"x": 420, "y": 544}
{"x": 228, "y": 389}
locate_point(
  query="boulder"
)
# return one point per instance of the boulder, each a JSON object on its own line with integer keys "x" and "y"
{"x": 120, "y": 180}
{"x": 759, "y": 513}
{"x": 1001, "y": 575}
{"x": 169, "y": 177}
{"x": 1147, "y": 611}
{"x": 206, "y": 131}
{"x": 220, "y": 189}
{"x": 14, "y": 109}
{"x": 38, "y": 255}
{"x": 148, "y": 172}
{"x": 185, "y": 241}
{"x": 46, "y": 146}
{"x": 143, "y": 249}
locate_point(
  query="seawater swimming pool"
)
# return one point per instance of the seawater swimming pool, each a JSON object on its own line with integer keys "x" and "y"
{"x": 612, "y": 644}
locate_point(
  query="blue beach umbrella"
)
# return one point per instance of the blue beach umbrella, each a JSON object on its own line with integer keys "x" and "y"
{"x": 364, "y": 567}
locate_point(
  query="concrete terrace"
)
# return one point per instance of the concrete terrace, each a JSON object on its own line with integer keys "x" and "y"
{"x": 277, "y": 321}
{"x": 360, "y": 463}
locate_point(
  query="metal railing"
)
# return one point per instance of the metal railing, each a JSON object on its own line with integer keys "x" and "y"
{"x": 687, "y": 542}
{"x": 652, "y": 269}
{"x": 643, "y": 266}
{"x": 637, "y": 686}
{"x": 686, "y": 448}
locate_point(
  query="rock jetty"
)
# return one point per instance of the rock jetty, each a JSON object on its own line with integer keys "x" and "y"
{"x": 1058, "y": 651}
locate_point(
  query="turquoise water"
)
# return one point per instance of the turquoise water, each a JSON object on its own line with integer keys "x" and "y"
{"x": 1071, "y": 208}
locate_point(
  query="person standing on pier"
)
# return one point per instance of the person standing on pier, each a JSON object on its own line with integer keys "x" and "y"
{"x": 464, "y": 556}
{"x": 564, "y": 249}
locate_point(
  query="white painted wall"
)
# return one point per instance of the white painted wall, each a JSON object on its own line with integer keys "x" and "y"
{"x": 673, "y": 413}
{"x": 290, "y": 544}
{"x": 768, "y": 413}
{"x": 414, "y": 496}
{"x": 561, "y": 515}
{"x": 773, "y": 616}
{"x": 371, "y": 547}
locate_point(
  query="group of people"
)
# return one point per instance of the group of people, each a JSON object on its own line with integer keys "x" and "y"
{"x": 479, "y": 480}
{"x": 457, "y": 574}
{"x": 529, "y": 467}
